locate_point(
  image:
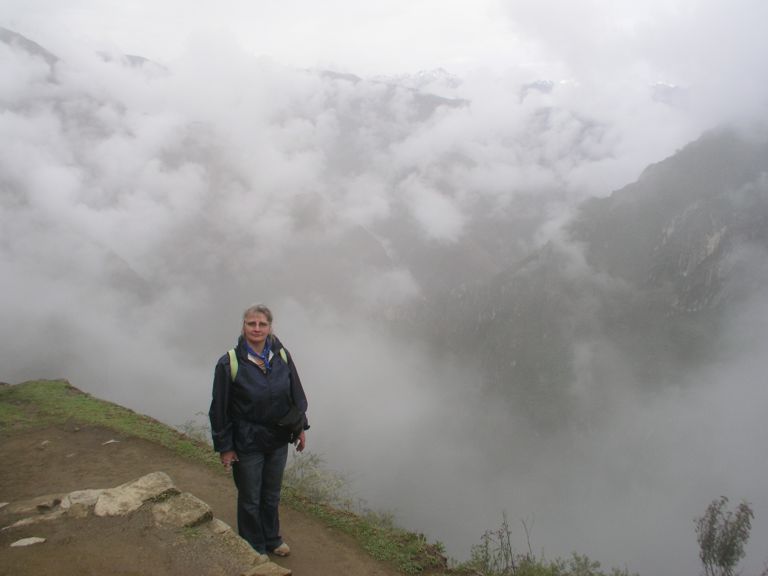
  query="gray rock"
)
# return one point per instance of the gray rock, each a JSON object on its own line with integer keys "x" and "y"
{"x": 184, "y": 510}
{"x": 80, "y": 503}
{"x": 129, "y": 497}
{"x": 86, "y": 498}
{"x": 241, "y": 548}
{"x": 219, "y": 526}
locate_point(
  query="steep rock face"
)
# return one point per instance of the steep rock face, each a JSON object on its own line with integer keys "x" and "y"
{"x": 680, "y": 217}
{"x": 674, "y": 237}
{"x": 640, "y": 293}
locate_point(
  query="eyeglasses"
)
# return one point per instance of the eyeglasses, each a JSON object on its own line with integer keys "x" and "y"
{"x": 257, "y": 324}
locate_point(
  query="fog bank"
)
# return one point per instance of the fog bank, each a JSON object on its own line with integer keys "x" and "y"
{"x": 143, "y": 207}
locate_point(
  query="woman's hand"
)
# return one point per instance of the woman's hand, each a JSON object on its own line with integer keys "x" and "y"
{"x": 301, "y": 442}
{"x": 227, "y": 458}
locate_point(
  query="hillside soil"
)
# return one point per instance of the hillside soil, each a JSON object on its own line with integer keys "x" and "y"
{"x": 71, "y": 457}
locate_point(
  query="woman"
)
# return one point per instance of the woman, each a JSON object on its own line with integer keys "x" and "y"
{"x": 253, "y": 389}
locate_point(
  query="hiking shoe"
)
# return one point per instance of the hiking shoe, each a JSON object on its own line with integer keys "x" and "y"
{"x": 283, "y": 550}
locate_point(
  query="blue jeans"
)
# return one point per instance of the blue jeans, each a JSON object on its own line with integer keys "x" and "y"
{"x": 258, "y": 478}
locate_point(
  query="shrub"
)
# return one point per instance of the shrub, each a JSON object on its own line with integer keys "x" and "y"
{"x": 308, "y": 475}
{"x": 722, "y": 535}
{"x": 495, "y": 556}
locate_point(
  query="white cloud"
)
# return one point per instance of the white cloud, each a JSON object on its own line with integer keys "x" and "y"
{"x": 384, "y": 290}
{"x": 364, "y": 200}
{"x": 438, "y": 214}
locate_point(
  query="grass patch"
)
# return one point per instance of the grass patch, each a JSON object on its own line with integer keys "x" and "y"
{"x": 49, "y": 402}
{"x": 13, "y": 416}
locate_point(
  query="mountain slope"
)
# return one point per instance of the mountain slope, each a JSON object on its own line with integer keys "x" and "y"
{"x": 639, "y": 292}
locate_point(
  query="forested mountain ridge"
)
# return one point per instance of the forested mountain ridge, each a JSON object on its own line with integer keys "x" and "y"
{"x": 639, "y": 289}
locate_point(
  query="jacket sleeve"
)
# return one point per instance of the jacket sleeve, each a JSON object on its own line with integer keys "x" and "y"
{"x": 221, "y": 424}
{"x": 297, "y": 391}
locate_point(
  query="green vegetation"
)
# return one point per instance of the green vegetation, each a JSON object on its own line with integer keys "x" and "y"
{"x": 409, "y": 552}
{"x": 306, "y": 475}
{"x": 495, "y": 556}
{"x": 722, "y": 535}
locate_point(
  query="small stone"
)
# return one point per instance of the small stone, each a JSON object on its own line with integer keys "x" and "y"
{"x": 28, "y": 541}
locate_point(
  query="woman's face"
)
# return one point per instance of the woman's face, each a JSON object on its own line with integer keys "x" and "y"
{"x": 256, "y": 328}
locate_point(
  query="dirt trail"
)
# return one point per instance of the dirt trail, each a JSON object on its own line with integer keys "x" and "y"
{"x": 66, "y": 458}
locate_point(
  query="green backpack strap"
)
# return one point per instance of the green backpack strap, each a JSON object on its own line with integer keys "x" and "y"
{"x": 233, "y": 365}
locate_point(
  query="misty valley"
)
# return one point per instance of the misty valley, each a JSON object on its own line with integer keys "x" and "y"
{"x": 484, "y": 331}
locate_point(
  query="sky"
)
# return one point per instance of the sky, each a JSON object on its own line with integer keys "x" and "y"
{"x": 142, "y": 210}
{"x": 363, "y": 38}
{"x": 683, "y": 42}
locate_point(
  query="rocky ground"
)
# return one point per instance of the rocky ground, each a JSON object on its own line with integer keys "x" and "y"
{"x": 62, "y": 459}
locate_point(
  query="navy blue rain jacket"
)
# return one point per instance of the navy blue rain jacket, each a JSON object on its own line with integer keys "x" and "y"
{"x": 243, "y": 413}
